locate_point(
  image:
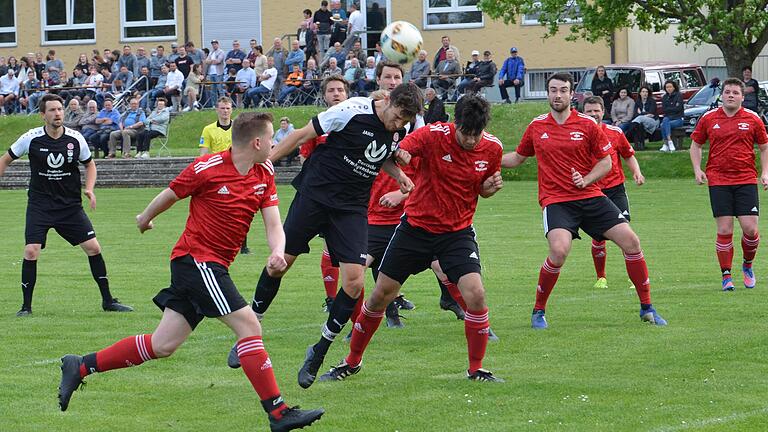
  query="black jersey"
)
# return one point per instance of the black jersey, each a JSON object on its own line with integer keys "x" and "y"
{"x": 55, "y": 175}
{"x": 341, "y": 170}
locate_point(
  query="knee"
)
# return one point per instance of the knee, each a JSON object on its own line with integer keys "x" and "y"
{"x": 632, "y": 245}
{"x": 726, "y": 231}
{"x": 163, "y": 349}
{"x": 92, "y": 248}
{"x": 557, "y": 255}
{"x": 474, "y": 296}
{"x": 32, "y": 252}
{"x": 750, "y": 231}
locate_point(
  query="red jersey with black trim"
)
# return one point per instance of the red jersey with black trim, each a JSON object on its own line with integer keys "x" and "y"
{"x": 621, "y": 148}
{"x": 575, "y": 144}
{"x": 222, "y": 206}
{"x": 732, "y": 140}
{"x": 448, "y": 178}
{"x": 308, "y": 147}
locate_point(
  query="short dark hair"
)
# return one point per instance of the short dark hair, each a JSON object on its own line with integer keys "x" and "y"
{"x": 561, "y": 76}
{"x": 49, "y": 98}
{"x": 165, "y": 101}
{"x": 674, "y": 84}
{"x": 734, "y": 82}
{"x": 594, "y": 100}
{"x": 472, "y": 114}
{"x": 307, "y": 12}
{"x": 749, "y": 68}
{"x": 335, "y": 77}
{"x": 324, "y": 3}
{"x": 382, "y": 64}
{"x": 408, "y": 98}
{"x": 249, "y": 125}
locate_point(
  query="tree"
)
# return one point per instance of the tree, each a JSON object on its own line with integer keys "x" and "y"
{"x": 738, "y": 27}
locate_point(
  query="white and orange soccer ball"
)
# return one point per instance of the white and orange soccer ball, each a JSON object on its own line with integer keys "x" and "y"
{"x": 401, "y": 41}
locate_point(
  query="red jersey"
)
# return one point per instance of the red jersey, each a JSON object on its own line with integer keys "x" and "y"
{"x": 222, "y": 206}
{"x": 448, "y": 178}
{"x": 621, "y": 148}
{"x": 731, "y": 159}
{"x": 384, "y": 183}
{"x": 306, "y": 149}
{"x": 558, "y": 148}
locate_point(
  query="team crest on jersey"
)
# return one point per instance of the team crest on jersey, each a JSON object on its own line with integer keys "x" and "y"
{"x": 743, "y": 126}
{"x": 396, "y": 136}
{"x": 577, "y": 136}
{"x": 55, "y": 160}
{"x": 481, "y": 165}
{"x": 70, "y": 146}
{"x": 375, "y": 153}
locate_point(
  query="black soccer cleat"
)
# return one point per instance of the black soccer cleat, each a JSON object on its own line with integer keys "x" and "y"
{"x": 114, "y": 305}
{"x": 483, "y": 375}
{"x": 308, "y": 371}
{"x": 395, "y": 322}
{"x": 245, "y": 250}
{"x": 233, "y": 360}
{"x": 70, "y": 379}
{"x": 340, "y": 372}
{"x": 294, "y": 418}
{"x": 23, "y": 312}
{"x": 453, "y": 306}
{"x": 404, "y": 303}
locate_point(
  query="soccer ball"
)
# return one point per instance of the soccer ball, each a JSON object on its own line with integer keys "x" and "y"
{"x": 401, "y": 41}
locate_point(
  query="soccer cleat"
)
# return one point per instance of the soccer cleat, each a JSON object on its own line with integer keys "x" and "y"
{"x": 294, "y": 418}
{"x": 348, "y": 337}
{"x": 601, "y": 283}
{"x": 308, "y": 371}
{"x": 245, "y": 250}
{"x": 233, "y": 360}
{"x": 327, "y": 304}
{"x": 340, "y": 372}
{"x": 24, "y": 312}
{"x": 651, "y": 316}
{"x": 728, "y": 283}
{"x": 70, "y": 379}
{"x": 453, "y": 306}
{"x": 538, "y": 321}
{"x": 749, "y": 276}
{"x": 114, "y": 305}
{"x": 395, "y": 322}
{"x": 492, "y": 336}
{"x": 404, "y": 303}
{"x": 483, "y": 375}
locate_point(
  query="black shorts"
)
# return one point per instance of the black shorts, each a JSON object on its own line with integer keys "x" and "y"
{"x": 72, "y": 224}
{"x": 735, "y": 200}
{"x": 345, "y": 231}
{"x": 378, "y": 240}
{"x": 199, "y": 290}
{"x": 618, "y": 195}
{"x": 413, "y": 249}
{"x": 594, "y": 216}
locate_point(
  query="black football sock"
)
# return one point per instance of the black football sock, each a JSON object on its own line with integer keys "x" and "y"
{"x": 99, "y": 272}
{"x": 245, "y": 244}
{"x": 28, "y": 280}
{"x": 444, "y": 294}
{"x": 339, "y": 315}
{"x": 266, "y": 290}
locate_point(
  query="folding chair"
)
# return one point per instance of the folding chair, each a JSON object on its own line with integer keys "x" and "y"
{"x": 164, "y": 141}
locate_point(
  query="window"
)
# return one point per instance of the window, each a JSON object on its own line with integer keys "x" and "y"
{"x": 692, "y": 78}
{"x": 568, "y": 14}
{"x": 440, "y": 14}
{"x": 68, "y": 21}
{"x": 7, "y": 22}
{"x": 652, "y": 79}
{"x": 148, "y": 19}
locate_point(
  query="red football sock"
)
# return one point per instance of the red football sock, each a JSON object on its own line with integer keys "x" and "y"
{"x": 724, "y": 248}
{"x": 637, "y": 270}
{"x": 358, "y": 307}
{"x": 330, "y": 275}
{"x": 455, "y": 293}
{"x": 365, "y": 326}
{"x": 599, "y": 253}
{"x": 131, "y": 351}
{"x": 476, "y": 330}
{"x": 547, "y": 279}
{"x": 258, "y": 368}
{"x": 749, "y": 247}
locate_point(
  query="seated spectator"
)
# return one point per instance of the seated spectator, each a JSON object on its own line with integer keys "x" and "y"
{"x": 368, "y": 82}
{"x": 192, "y": 87}
{"x": 622, "y": 110}
{"x": 435, "y": 110}
{"x": 106, "y": 86}
{"x": 311, "y": 83}
{"x": 173, "y": 84}
{"x": 332, "y": 68}
{"x": 420, "y": 70}
{"x": 142, "y": 86}
{"x": 42, "y": 88}
{"x": 286, "y": 128}
{"x": 266, "y": 84}
{"x": 125, "y": 75}
{"x": 31, "y": 84}
{"x": 73, "y": 114}
{"x": 672, "y": 107}
{"x": 246, "y": 80}
{"x": 335, "y": 52}
{"x": 9, "y": 91}
{"x": 74, "y": 85}
{"x": 511, "y": 75}
{"x": 358, "y": 52}
{"x": 54, "y": 66}
{"x": 229, "y": 88}
{"x": 131, "y": 126}
{"x": 159, "y": 88}
{"x": 645, "y": 121}
{"x": 92, "y": 82}
{"x": 291, "y": 83}
{"x": 484, "y": 74}
{"x": 156, "y": 126}
{"x": 87, "y": 123}
{"x": 470, "y": 71}
{"x": 354, "y": 75}
{"x": 108, "y": 121}
{"x": 446, "y": 71}
{"x": 24, "y": 69}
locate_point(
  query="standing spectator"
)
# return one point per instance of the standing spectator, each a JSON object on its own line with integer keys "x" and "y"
{"x": 39, "y": 65}
{"x": 143, "y": 84}
{"x": 183, "y": 62}
{"x": 87, "y": 123}
{"x": 141, "y": 61}
{"x": 235, "y": 57}
{"x": 195, "y": 54}
{"x": 4, "y": 66}
{"x": 106, "y": 86}
{"x": 131, "y": 126}
{"x": 265, "y": 87}
{"x": 252, "y": 53}
{"x": 73, "y": 114}
{"x": 295, "y": 57}
{"x": 339, "y": 18}
{"x": 306, "y": 35}
{"x": 446, "y": 71}
{"x": 173, "y": 83}
{"x": 156, "y": 126}
{"x": 174, "y": 52}
{"x": 156, "y": 62}
{"x": 420, "y": 70}
{"x": 356, "y": 25}
{"x": 259, "y": 63}
{"x": 214, "y": 68}
{"x": 291, "y": 84}
{"x": 9, "y": 91}
{"x": 672, "y": 107}
{"x": 54, "y": 66}
{"x": 13, "y": 64}
{"x": 511, "y": 75}
{"x": 378, "y": 54}
{"x": 435, "y": 110}
{"x": 322, "y": 19}
{"x": 82, "y": 63}
{"x": 106, "y": 60}
{"x": 441, "y": 53}
{"x": 645, "y": 121}
{"x": 159, "y": 88}
{"x": 375, "y": 23}
{"x": 127, "y": 59}
{"x": 751, "y": 89}
{"x": 108, "y": 121}
{"x": 192, "y": 86}
{"x": 602, "y": 86}
{"x": 622, "y": 110}
{"x": 246, "y": 78}
{"x": 279, "y": 55}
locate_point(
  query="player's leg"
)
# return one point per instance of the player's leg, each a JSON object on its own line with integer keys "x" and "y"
{"x": 599, "y": 257}
{"x": 747, "y": 208}
{"x": 724, "y": 249}
{"x": 330, "y": 274}
{"x": 92, "y": 249}
{"x": 450, "y": 296}
{"x": 28, "y": 277}
{"x": 559, "y": 241}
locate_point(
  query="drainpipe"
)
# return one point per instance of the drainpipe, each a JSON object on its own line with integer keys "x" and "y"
{"x": 613, "y": 46}
{"x": 186, "y": 21}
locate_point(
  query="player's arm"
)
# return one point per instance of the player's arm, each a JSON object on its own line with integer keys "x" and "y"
{"x": 5, "y": 160}
{"x": 275, "y": 237}
{"x": 390, "y": 167}
{"x": 695, "y": 152}
{"x": 90, "y": 183}
{"x": 491, "y": 185}
{"x": 162, "y": 202}
{"x": 634, "y": 168}
{"x": 601, "y": 168}
{"x": 512, "y": 160}
{"x": 292, "y": 141}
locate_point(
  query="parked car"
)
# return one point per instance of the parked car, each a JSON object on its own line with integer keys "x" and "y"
{"x": 709, "y": 98}
{"x": 690, "y": 77}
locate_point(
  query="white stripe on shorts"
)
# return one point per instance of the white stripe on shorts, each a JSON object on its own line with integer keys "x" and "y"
{"x": 213, "y": 288}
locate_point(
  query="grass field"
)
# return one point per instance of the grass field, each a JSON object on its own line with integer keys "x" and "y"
{"x": 597, "y": 368}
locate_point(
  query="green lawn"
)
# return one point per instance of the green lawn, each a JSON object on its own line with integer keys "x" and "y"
{"x": 597, "y": 368}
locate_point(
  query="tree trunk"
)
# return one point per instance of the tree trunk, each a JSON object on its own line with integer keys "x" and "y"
{"x": 735, "y": 59}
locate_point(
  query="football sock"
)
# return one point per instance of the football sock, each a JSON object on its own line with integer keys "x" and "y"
{"x": 445, "y": 295}
{"x": 131, "y": 351}
{"x": 637, "y": 270}
{"x": 476, "y": 329}
{"x": 358, "y": 306}
{"x": 598, "y": 257}
{"x": 245, "y": 243}
{"x": 339, "y": 315}
{"x": 266, "y": 290}
{"x": 258, "y": 368}
{"x": 749, "y": 247}
{"x": 455, "y": 294}
{"x": 547, "y": 278}
{"x": 28, "y": 280}
{"x": 330, "y": 275}
{"x": 99, "y": 272}
{"x": 362, "y": 332}
{"x": 724, "y": 249}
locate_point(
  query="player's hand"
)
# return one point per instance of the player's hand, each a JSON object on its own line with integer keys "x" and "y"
{"x": 143, "y": 224}
{"x": 578, "y": 180}
{"x": 391, "y": 199}
{"x": 402, "y": 157}
{"x": 492, "y": 184}
{"x": 405, "y": 183}
{"x": 701, "y": 177}
{"x": 276, "y": 262}
{"x": 764, "y": 181}
{"x": 91, "y": 198}
{"x": 639, "y": 179}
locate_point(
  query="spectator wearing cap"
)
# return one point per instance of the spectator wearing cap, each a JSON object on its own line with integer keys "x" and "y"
{"x": 340, "y": 22}
{"x": 174, "y": 52}
{"x": 470, "y": 71}
{"x": 440, "y": 55}
{"x": 511, "y": 75}
{"x": 141, "y": 61}
{"x": 214, "y": 68}
{"x": 322, "y": 20}
{"x": 420, "y": 70}
{"x": 235, "y": 57}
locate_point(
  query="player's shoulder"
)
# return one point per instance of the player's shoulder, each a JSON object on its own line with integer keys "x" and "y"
{"x": 33, "y": 133}
{"x": 210, "y": 127}
{"x": 355, "y": 105}
{"x": 581, "y": 117}
{"x": 74, "y": 134}
{"x": 438, "y": 128}
{"x": 539, "y": 119}
{"x": 265, "y": 168}
{"x": 710, "y": 114}
{"x": 614, "y": 129}
{"x": 493, "y": 140}
{"x": 207, "y": 161}
{"x": 752, "y": 115}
